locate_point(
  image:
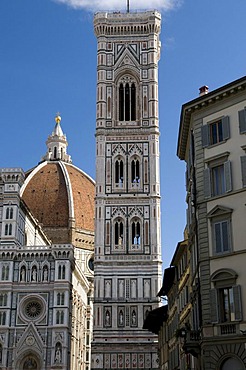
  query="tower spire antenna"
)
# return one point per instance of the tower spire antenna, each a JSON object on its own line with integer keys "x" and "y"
{"x": 128, "y": 6}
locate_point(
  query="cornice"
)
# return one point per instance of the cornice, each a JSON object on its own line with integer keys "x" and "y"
{"x": 202, "y": 102}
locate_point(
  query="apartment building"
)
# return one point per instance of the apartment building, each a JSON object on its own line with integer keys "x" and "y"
{"x": 211, "y": 312}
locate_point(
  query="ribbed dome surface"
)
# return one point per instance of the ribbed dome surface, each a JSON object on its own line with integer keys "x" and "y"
{"x": 57, "y": 192}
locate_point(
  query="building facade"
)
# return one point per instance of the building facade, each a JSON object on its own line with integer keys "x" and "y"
{"x": 212, "y": 142}
{"x": 128, "y": 241}
{"x": 46, "y": 263}
{"x": 204, "y": 327}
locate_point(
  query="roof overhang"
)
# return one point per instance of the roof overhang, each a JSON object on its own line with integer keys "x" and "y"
{"x": 203, "y": 101}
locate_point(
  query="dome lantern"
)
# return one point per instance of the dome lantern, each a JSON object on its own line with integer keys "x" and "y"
{"x": 57, "y": 144}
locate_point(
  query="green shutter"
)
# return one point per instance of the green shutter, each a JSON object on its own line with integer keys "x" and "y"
{"x": 228, "y": 179}
{"x": 225, "y": 128}
{"x": 242, "y": 121}
{"x": 243, "y": 166}
{"x": 207, "y": 183}
{"x": 205, "y": 136}
{"x": 237, "y": 302}
{"x": 214, "y": 306}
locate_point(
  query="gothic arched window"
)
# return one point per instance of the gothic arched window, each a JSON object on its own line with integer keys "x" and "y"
{"x": 60, "y": 298}
{"x": 3, "y": 299}
{"x": 9, "y": 213}
{"x": 59, "y": 317}
{"x": 5, "y": 272}
{"x": 8, "y": 229}
{"x": 2, "y": 318}
{"x": 119, "y": 172}
{"x": 135, "y": 171}
{"x": 127, "y": 100}
{"x": 118, "y": 233}
{"x": 136, "y": 232}
{"x": 61, "y": 272}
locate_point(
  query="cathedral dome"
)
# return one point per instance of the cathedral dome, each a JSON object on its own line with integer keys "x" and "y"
{"x": 60, "y": 195}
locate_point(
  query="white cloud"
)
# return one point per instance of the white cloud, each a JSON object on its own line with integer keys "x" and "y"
{"x": 95, "y": 5}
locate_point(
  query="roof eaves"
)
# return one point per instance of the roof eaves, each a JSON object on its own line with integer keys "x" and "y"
{"x": 199, "y": 103}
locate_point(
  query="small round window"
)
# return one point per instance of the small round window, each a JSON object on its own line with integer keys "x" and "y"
{"x": 91, "y": 264}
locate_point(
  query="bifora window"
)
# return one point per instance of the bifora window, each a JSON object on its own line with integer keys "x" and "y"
{"x": 9, "y": 213}
{"x": 127, "y": 99}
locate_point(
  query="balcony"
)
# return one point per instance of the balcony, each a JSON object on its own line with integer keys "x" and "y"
{"x": 192, "y": 342}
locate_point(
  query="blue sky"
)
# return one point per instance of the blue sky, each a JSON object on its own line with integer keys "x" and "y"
{"x": 48, "y": 64}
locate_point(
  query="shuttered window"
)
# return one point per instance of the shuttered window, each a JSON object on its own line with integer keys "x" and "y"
{"x": 215, "y": 132}
{"x": 226, "y": 304}
{"x": 243, "y": 167}
{"x": 214, "y": 306}
{"x": 217, "y": 180}
{"x": 242, "y": 121}
{"x": 222, "y": 236}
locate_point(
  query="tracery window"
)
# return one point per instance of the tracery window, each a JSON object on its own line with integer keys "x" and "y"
{"x": 2, "y": 318}
{"x": 59, "y": 317}
{"x": 5, "y": 272}
{"x": 9, "y": 213}
{"x": 61, "y": 272}
{"x": 60, "y": 299}
{"x": 119, "y": 233}
{"x": 8, "y": 229}
{"x": 135, "y": 171}
{"x": 136, "y": 233}
{"x": 119, "y": 172}
{"x": 127, "y": 99}
{"x": 3, "y": 299}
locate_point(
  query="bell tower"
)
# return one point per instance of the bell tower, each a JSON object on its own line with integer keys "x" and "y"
{"x": 128, "y": 242}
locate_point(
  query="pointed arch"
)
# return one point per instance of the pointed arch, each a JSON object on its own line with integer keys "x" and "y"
{"x": 127, "y": 97}
{"x": 136, "y": 233}
{"x": 119, "y": 238}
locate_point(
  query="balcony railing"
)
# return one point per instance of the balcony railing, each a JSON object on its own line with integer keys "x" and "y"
{"x": 229, "y": 328}
{"x": 191, "y": 342}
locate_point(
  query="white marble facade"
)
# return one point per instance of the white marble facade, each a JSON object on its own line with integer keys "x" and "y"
{"x": 45, "y": 323}
{"x": 128, "y": 245}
